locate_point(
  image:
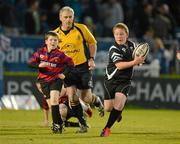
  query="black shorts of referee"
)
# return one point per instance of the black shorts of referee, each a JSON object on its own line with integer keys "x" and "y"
{"x": 80, "y": 77}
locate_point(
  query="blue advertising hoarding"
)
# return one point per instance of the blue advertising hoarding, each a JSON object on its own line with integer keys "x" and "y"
{"x": 145, "y": 92}
{"x": 17, "y": 51}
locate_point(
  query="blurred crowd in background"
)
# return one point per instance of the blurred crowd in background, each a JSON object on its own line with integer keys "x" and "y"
{"x": 38, "y": 16}
{"x": 153, "y": 21}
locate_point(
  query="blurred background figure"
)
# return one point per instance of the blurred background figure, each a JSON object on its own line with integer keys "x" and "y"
{"x": 20, "y": 8}
{"x": 53, "y": 15}
{"x": 143, "y": 19}
{"x": 148, "y": 36}
{"x": 44, "y": 27}
{"x": 88, "y": 21}
{"x": 164, "y": 23}
{"x": 178, "y": 55}
{"x": 111, "y": 13}
{"x": 32, "y": 18}
{"x": 8, "y": 18}
{"x": 160, "y": 53}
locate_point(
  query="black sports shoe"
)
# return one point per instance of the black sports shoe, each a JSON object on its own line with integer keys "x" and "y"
{"x": 83, "y": 129}
{"x": 101, "y": 111}
{"x": 99, "y": 106}
{"x": 56, "y": 128}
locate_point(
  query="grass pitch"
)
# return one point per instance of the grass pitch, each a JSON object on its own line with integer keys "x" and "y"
{"x": 137, "y": 127}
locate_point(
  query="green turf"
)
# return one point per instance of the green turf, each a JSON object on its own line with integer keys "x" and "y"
{"x": 137, "y": 127}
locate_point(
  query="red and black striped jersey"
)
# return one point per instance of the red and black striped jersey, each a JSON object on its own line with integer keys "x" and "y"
{"x": 57, "y": 62}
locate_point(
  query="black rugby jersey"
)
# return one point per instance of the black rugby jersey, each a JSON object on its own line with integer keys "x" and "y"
{"x": 119, "y": 53}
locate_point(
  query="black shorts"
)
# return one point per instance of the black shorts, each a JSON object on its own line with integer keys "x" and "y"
{"x": 70, "y": 113}
{"x": 48, "y": 86}
{"x": 113, "y": 86}
{"x": 80, "y": 77}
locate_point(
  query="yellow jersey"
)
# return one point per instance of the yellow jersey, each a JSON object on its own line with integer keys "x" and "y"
{"x": 72, "y": 43}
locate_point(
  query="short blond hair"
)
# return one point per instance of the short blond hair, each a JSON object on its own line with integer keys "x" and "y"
{"x": 51, "y": 33}
{"x": 66, "y": 8}
{"x": 122, "y": 26}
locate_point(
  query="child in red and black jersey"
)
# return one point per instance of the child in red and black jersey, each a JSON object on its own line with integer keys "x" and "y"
{"x": 50, "y": 61}
{"x": 53, "y": 66}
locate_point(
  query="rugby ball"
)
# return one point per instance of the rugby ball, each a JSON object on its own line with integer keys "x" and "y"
{"x": 141, "y": 50}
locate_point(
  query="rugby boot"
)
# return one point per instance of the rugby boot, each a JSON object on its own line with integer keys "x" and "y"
{"x": 105, "y": 132}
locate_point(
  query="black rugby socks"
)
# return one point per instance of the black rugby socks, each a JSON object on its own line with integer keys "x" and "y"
{"x": 114, "y": 114}
{"x": 56, "y": 118}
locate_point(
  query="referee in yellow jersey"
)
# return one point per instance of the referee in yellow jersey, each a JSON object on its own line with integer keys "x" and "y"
{"x": 77, "y": 42}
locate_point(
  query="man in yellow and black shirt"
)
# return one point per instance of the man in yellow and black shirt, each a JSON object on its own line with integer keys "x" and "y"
{"x": 71, "y": 42}
{"x": 77, "y": 42}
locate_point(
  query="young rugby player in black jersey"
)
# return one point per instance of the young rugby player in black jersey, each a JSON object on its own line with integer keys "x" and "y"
{"x": 118, "y": 75}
